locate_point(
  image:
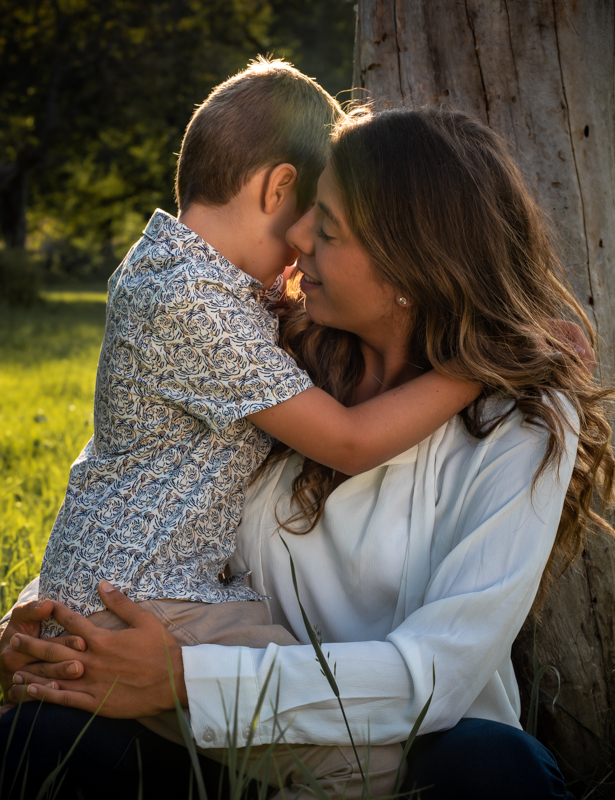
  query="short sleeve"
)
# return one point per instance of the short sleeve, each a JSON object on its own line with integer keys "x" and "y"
{"x": 215, "y": 355}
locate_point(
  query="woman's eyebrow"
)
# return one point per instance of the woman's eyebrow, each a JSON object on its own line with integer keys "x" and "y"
{"x": 328, "y": 213}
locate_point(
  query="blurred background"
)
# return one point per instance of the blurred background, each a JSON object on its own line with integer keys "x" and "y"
{"x": 95, "y": 96}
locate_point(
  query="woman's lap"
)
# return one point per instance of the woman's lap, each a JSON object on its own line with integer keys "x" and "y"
{"x": 476, "y": 759}
{"x": 105, "y": 763}
{"x": 483, "y": 760}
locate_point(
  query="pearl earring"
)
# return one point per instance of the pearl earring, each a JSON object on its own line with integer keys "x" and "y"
{"x": 403, "y": 301}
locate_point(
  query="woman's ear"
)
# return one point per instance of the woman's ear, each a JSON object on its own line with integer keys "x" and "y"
{"x": 280, "y": 186}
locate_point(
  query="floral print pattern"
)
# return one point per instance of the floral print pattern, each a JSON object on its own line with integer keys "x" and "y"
{"x": 154, "y": 500}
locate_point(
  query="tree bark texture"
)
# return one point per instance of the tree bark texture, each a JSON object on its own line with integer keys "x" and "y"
{"x": 541, "y": 72}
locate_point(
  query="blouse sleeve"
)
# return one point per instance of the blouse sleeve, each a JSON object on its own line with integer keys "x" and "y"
{"x": 501, "y": 534}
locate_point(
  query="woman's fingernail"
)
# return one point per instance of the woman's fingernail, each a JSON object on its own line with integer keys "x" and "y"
{"x": 15, "y": 642}
{"x": 105, "y": 586}
{"x": 580, "y": 350}
{"x": 32, "y": 690}
{"x": 17, "y": 678}
{"x": 72, "y": 669}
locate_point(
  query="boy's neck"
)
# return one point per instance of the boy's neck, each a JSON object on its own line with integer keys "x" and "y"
{"x": 221, "y": 227}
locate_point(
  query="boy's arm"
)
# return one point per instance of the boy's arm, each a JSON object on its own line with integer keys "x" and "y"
{"x": 357, "y": 439}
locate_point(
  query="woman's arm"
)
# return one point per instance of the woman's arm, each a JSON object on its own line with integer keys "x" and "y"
{"x": 499, "y": 537}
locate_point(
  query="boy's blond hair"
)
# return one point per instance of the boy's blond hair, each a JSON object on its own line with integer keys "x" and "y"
{"x": 266, "y": 115}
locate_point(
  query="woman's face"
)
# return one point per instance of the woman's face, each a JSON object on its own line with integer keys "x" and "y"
{"x": 341, "y": 287}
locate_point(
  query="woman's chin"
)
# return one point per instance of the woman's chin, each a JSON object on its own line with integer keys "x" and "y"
{"x": 313, "y": 312}
{"x": 319, "y": 316}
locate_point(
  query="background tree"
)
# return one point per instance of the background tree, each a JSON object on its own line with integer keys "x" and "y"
{"x": 95, "y": 96}
{"x": 540, "y": 72}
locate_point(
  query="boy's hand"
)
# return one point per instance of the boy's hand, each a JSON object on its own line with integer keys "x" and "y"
{"x": 573, "y": 334}
{"x": 132, "y": 663}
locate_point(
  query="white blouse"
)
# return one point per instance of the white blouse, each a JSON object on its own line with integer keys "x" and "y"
{"x": 433, "y": 558}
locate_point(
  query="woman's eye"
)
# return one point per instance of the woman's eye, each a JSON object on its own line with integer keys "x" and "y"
{"x": 322, "y": 235}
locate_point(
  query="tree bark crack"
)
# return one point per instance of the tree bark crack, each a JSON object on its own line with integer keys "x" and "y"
{"x": 576, "y": 168}
{"x": 398, "y": 50}
{"x": 597, "y": 632}
{"x": 531, "y": 133}
{"x": 480, "y": 69}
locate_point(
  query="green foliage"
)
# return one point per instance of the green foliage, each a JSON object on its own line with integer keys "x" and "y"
{"x": 95, "y": 97}
{"x": 48, "y": 358}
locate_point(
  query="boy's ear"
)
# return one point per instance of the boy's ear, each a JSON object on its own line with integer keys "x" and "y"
{"x": 279, "y": 186}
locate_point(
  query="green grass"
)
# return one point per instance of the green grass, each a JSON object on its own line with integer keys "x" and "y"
{"x": 48, "y": 357}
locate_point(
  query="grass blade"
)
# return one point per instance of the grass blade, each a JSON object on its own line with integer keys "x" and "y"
{"x": 186, "y": 735}
{"x": 414, "y": 732}
{"x": 50, "y": 779}
{"x": 532, "y": 714}
{"x": 321, "y": 657}
{"x": 310, "y": 630}
{"x": 8, "y": 743}
{"x": 25, "y": 749}
{"x": 309, "y": 778}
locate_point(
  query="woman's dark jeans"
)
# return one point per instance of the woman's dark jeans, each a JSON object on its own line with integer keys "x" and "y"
{"x": 477, "y": 760}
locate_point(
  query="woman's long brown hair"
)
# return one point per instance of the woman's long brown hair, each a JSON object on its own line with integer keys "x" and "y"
{"x": 441, "y": 208}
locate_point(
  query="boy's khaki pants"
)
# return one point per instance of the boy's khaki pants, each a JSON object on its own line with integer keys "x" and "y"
{"x": 247, "y": 623}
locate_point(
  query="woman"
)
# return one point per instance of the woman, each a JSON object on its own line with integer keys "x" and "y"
{"x": 424, "y": 247}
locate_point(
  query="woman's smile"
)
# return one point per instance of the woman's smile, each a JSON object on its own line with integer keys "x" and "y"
{"x": 308, "y": 284}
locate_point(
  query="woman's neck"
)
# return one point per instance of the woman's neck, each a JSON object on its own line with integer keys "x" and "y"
{"x": 386, "y": 366}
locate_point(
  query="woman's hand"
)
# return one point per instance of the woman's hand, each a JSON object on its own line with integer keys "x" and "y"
{"x": 25, "y": 619}
{"x": 131, "y": 665}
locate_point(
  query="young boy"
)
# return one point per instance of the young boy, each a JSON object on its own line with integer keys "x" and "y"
{"x": 189, "y": 354}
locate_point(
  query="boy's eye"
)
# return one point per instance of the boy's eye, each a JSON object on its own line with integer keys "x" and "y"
{"x": 322, "y": 235}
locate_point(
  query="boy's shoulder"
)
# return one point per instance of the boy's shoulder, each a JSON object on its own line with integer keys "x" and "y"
{"x": 171, "y": 259}
{"x": 173, "y": 279}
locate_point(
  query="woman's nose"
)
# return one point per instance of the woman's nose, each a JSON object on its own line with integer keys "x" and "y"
{"x": 301, "y": 234}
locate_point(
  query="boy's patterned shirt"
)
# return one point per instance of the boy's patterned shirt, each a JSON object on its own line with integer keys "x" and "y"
{"x": 154, "y": 499}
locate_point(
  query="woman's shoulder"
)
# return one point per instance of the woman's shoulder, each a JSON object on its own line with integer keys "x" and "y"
{"x": 510, "y": 435}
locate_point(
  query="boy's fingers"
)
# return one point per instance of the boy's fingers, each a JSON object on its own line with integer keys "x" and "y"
{"x": 41, "y": 649}
{"x": 125, "y": 608}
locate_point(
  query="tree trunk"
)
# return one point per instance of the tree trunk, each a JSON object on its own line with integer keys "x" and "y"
{"x": 13, "y": 202}
{"x": 541, "y": 72}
